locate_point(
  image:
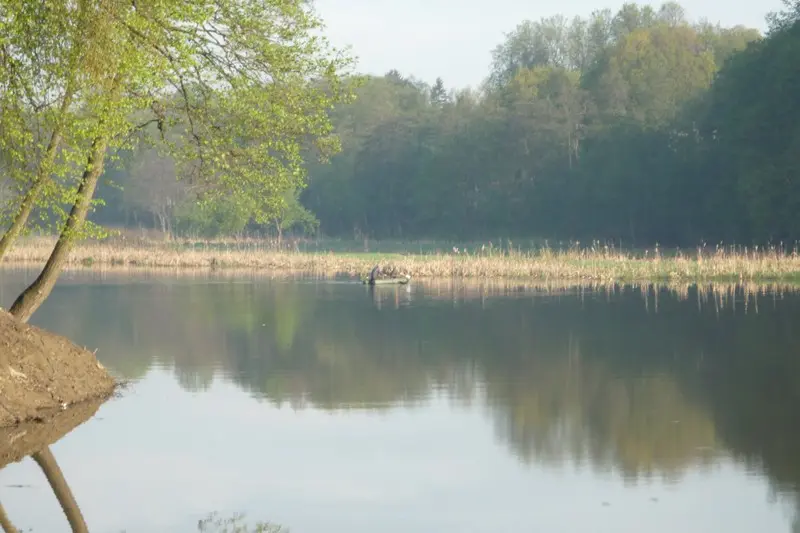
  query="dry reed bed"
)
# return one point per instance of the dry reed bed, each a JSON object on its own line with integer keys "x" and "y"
{"x": 573, "y": 265}
{"x": 719, "y": 294}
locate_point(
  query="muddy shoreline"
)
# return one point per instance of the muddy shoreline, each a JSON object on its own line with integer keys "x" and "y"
{"x": 42, "y": 373}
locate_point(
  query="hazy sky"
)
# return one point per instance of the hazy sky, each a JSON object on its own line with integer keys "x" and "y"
{"x": 454, "y": 38}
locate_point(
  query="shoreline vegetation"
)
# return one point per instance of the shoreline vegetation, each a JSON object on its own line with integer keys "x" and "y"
{"x": 595, "y": 263}
{"x": 444, "y": 288}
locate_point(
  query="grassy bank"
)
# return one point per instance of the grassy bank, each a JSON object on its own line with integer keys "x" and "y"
{"x": 573, "y": 264}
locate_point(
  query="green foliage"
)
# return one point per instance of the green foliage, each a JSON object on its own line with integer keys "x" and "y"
{"x": 759, "y": 142}
{"x": 292, "y": 214}
{"x": 42, "y": 46}
{"x": 248, "y": 115}
{"x": 239, "y": 90}
{"x": 636, "y": 125}
{"x": 439, "y": 96}
{"x": 656, "y": 70}
{"x": 212, "y": 219}
{"x": 591, "y": 128}
{"x": 782, "y": 20}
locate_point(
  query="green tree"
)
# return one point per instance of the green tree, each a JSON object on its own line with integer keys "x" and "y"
{"x": 54, "y": 55}
{"x": 652, "y": 72}
{"x": 352, "y": 193}
{"x": 211, "y": 219}
{"x": 786, "y": 18}
{"x": 293, "y": 215}
{"x": 611, "y": 126}
{"x": 154, "y": 187}
{"x": 549, "y": 42}
{"x": 751, "y": 129}
{"x": 246, "y": 85}
{"x": 439, "y": 95}
{"x": 630, "y": 18}
{"x": 725, "y": 42}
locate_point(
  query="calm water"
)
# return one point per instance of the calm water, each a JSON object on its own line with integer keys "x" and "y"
{"x": 326, "y": 408}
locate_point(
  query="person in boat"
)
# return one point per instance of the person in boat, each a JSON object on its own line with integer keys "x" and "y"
{"x": 373, "y": 274}
{"x": 390, "y": 272}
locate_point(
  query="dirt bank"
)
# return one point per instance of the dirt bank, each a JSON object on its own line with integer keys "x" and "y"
{"x": 41, "y": 371}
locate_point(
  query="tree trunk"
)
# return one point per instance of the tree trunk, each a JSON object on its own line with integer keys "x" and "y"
{"x": 169, "y": 226}
{"x": 42, "y": 179}
{"x": 31, "y": 298}
{"x": 6, "y": 524}
{"x": 44, "y": 458}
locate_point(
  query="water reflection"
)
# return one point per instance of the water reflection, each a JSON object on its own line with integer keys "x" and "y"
{"x": 33, "y": 439}
{"x": 642, "y": 382}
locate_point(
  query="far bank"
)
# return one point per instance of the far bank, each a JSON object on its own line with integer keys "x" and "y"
{"x": 595, "y": 263}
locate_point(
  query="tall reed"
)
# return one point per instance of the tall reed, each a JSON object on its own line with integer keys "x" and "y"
{"x": 576, "y": 263}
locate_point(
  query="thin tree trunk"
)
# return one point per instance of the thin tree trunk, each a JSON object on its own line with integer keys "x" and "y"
{"x": 169, "y": 226}
{"x": 47, "y": 462}
{"x": 42, "y": 179}
{"x": 8, "y": 527}
{"x": 31, "y": 298}
{"x": 162, "y": 221}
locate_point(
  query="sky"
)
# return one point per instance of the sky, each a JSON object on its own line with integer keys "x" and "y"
{"x": 454, "y": 38}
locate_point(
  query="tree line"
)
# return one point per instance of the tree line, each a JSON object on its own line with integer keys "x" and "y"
{"x": 636, "y": 126}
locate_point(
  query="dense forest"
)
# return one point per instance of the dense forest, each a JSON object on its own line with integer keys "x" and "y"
{"x": 636, "y": 126}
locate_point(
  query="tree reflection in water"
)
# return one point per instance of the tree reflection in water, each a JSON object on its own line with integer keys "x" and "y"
{"x": 33, "y": 439}
{"x": 41, "y": 435}
{"x": 642, "y": 381}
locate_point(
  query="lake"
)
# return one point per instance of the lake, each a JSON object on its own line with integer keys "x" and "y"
{"x": 329, "y": 407}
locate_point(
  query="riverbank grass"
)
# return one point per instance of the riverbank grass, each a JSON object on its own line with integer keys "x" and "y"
{"x": 595, "y": 263}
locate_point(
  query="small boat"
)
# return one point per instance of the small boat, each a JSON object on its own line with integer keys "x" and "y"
{"x": 387, "y": 281}
{"x": 375, "y": 278}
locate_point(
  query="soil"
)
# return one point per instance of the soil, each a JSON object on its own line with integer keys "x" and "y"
{"x": 42, "y": 373}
